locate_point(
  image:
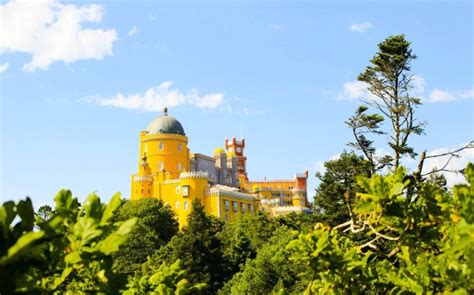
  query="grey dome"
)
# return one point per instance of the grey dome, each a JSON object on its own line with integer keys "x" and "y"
{"x": 165, "y": 124}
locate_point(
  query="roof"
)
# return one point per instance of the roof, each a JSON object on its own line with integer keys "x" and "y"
{"x": 165, "y": 124}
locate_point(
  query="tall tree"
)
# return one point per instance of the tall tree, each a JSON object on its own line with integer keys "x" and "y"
{"x": 338, "y": 187}
{"x": 155, "y": 227}
{"x": 199, "y": 249}
{"x": 390, "y": 81}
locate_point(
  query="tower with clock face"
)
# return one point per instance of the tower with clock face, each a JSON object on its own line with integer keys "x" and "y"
{"x": 235, "y": 148}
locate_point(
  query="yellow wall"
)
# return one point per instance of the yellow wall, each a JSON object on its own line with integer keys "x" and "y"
{"x": 169, "y": 180}
{"x": 164, "y": 148}
{"x": 277, "y": 185}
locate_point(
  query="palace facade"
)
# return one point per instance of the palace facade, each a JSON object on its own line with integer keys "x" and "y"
{"x": 167, "y": 170}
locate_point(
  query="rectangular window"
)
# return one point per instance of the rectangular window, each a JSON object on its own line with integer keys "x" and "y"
{"x": 227, "y": 205}
{"x": 180, "y": 147}
{"x": 236, "y": 206}
{"x": 177, "y": 205}
{"x": 244, "y": 207}
{"x": 162, "y": 146}
{"x": 185, "y": 205}
{"x": 162, "y": 166}
{"x": 177, "y": 189}
{"x": 185, "y": 191}
{"x": 251, "y": 208}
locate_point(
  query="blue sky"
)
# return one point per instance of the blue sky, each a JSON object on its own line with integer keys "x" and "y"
{"x": 79, "y": 81}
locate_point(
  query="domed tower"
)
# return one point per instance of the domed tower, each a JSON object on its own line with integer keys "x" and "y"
{"x": 166, "y": 146}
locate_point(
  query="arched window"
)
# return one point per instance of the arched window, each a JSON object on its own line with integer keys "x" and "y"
{"x": 177, "y": 205}
{"x": 180, "y": 147}
{"x": 185, "y": 205}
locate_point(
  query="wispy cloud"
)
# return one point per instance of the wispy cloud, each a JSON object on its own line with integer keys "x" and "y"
{"x": 361, "y": 27}
{"x": 158, "y": 97}
{"x": 133, "y": 31}
{"x": 51, "y": 31}
{"x": 438, "y": 95}
{"x": 4, "y": 67}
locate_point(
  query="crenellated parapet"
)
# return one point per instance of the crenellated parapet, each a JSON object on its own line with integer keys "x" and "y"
{"x": 194, "y": 175}
{"x": 142, "y": 178}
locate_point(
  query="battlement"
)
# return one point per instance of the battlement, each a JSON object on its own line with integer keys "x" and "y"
{"x": 194, "y": 175}
{"x": 144, "y": 178}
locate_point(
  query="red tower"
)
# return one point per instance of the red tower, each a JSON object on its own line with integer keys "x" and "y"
{"x": 236, "y": 147}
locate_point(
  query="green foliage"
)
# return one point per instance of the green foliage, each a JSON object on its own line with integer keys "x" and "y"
{"x": 242, "y": 238}
{"x": 155, "y": 227}
{"x": 167, "y": 279}
{"x": 362, "y": 124}
{"x": 334, "y": 265}
{"x": 418, "y": 240}
{"x": 45, "y": 213}
{"x": 72, "y": 250}
{"x": 199, "y": 249}
{"x": 338, "y": 187}
{"x": 401, "y": 236}
{"x": 270, "y": 271}
{"x": 389, "y": 80}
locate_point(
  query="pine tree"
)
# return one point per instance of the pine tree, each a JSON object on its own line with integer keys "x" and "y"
{"x": 338, "y": 187}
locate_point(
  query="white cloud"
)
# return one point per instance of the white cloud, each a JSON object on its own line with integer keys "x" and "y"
{"x": 361, "y": 27}
{"x": 160, "y": 96}
{"x": 51, "y": 31}
{"x": 438, "y": 95}
{"x": 133, "y": 31}
{"x": 355, "y": 90}
{"x": 4, "y": 67}
{"x": 418, "y": 86}
{"x": 466, "y": 156}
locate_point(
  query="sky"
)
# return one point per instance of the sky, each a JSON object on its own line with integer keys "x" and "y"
{"x": 79, "y": 81}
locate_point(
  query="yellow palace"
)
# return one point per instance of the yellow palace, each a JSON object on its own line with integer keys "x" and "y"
{"x": 168, "y": 171}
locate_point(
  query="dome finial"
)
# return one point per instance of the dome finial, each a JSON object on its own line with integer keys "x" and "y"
{"x": 165, "y": 111}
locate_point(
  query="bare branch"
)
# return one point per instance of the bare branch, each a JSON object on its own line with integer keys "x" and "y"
{"x": 470, "y": 145}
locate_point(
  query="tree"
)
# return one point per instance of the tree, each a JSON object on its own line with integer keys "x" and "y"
{"x": 155, "y": 227}
{"x": 338, "y": 187}
{"x": 242, "y": 238}
{"x": 362, "y": 124}
{"x": 45, "y": 212}
{"x": 270, "y": 271}
{"x": 199, "y": 249}
{"x": 167, "y": 279}
{"x": 431, "y": 233}
{"x": 389, "y": 80}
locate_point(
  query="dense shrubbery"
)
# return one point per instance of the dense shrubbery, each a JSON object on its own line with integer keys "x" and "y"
{"x": 402, "y": 236}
